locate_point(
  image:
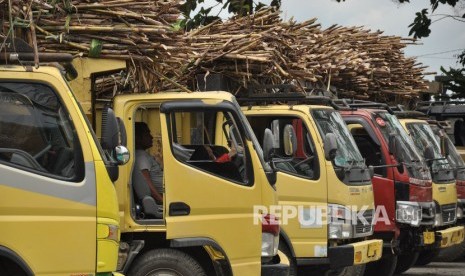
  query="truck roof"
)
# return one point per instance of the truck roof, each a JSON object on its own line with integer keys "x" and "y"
{"x": 214, "y": 95}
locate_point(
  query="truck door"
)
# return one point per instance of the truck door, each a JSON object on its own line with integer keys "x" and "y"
{"x": 210, "y": 197}
{"x": 383, "y": 186}
{"x": 47, "y": 186}
{"x": 301, "y": 186}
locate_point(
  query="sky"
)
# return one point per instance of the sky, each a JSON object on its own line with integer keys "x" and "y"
{"x": 447, "y": 36}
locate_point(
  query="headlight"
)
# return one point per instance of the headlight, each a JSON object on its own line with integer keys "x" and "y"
{"x": 459, "y": 212}
{"x": 438, "y": 219}
{"x": 408, "y": 212}
{"x": 340, "y": 222}
{"x": 270, "y": 244}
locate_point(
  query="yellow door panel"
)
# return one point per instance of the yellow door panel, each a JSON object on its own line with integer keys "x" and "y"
{"x": 203, "y": 204}
{"x": 49, "y": 233}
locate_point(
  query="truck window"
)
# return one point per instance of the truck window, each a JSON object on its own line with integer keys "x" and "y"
{"x": 330, "y": 121}
{"x": 369, "y": 149}
{"x": 36, "y": 132}
{"x": 210, "y": 141}
{"x": 304, "y": 161}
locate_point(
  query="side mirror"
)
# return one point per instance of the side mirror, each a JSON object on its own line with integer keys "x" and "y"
{"x": 289, "y": 140}
{"x": 122, "y": 155}
{"x": 122, "y": 132}
{"x": 429, "y": 153}
{"x": 330, "y": 146}
{"x": 444, "y": 146}
{"x": 393, "y": 144}
{"x": 110, "y": 129}
{"x": 267, "y": 145}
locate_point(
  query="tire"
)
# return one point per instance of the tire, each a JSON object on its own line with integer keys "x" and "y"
{"x": 383, "y": 267}
{"x": 166, "y": 261}
{"x": 451, "y": 254}
{"x": 292, "y": 263}
{"x": 9, "y": 268}
{"x": 426, "y": 256}
{"x": 355, "y": 270}
{"x": 406, "y": 261}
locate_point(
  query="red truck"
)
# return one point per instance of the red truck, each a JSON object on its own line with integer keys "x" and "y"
{"x": 402, "y": 185}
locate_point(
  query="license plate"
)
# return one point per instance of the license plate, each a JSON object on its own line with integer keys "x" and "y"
{"x": 373, "y": 249}
{"x": 428, "y": 237}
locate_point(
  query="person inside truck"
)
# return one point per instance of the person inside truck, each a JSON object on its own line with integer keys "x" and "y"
{"x": 150, "y": 166}
{"x": 223, "y": 158}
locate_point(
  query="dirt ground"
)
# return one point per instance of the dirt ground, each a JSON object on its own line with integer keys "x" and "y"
{"x": 443, "y": 269}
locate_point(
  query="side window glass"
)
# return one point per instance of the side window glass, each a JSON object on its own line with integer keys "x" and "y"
{"x": 304, "y": 162}
{"x": 369, "y": 149}
{"x": 210, "y": 141}
{"x": 36, "y": 132}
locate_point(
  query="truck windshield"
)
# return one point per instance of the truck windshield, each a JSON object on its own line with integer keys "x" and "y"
{"x": 423, "y": 136}
{"x": 249, "y": 133}
{"x": 454, "y": 157}
{"x": 330, "y": 121}
{"x": 408, "y": 153}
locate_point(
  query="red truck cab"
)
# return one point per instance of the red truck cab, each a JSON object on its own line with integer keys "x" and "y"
{"x": 402, "y": 186}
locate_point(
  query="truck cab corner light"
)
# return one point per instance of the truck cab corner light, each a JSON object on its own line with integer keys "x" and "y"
{"x": 108, "y": 231}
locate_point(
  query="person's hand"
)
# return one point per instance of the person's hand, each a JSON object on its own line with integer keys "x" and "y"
{"x": 210, "y": 152}
{"x": 232, "y": 152}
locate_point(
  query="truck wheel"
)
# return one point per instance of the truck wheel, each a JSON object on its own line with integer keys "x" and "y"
{"x": 406, "y": 261}
{"x": 451, "y": 254}
{"x": 426, "y": 256}
{"x": 355, "y": 270}
{"x": 166, "y": 262}
{"x": 292, "y": 264}
{"x": 383, "y": 267}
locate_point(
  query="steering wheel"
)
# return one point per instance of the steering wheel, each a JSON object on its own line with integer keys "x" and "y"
{"x": 308, "y": 159}
{"x": 42, "y": 152}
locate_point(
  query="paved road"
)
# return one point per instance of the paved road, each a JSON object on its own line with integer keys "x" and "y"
{"x": 442, "y": 269}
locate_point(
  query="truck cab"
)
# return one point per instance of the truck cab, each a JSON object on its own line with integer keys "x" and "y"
{"x": 215, "y": 217}
{"x": 59, "y": 209}
{"x": 440, "y": 128}
{"x": 324, "y": 188}
{"x": 444, "y": 184}
{"x": 402, "y": 185}
{"x": 451, "y": 111}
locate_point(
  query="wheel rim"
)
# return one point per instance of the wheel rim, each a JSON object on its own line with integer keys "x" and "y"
{"x": 164, "y": 272}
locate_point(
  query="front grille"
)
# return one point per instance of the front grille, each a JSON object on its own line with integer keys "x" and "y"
{"x": 427, "y": 213}
{"x": 364, "y": 228}
{"x": 449, "y": 213}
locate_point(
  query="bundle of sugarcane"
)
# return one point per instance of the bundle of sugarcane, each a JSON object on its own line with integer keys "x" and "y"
{"x": 264, "y": 49}
{"x": 256, "y": 49}
{"x": 138, "y": 31}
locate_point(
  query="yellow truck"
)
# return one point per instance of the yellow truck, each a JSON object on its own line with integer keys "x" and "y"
{"x": 58, "y": 208}
{"x": 452, "y": 111}
{"x": 444, "y": 185}
{"x": 325, "y": 190}
{"x": 439, "y": 128}
{"x": 215, "y": 218}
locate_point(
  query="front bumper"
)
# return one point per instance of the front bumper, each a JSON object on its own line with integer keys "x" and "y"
{"x": 451, "y": 236}
{"x": 355, "y": 253}
{"x": 278, "y": 267}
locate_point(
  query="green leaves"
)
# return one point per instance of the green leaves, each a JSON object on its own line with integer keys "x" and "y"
{"x": 420, "y": 26}
{"x": 454, "y": 80}
{"x": 435, "y": 3}
{"x": 234, "y": 7}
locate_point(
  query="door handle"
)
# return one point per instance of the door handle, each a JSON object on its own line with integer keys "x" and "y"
{"x": 179, "y": 209}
